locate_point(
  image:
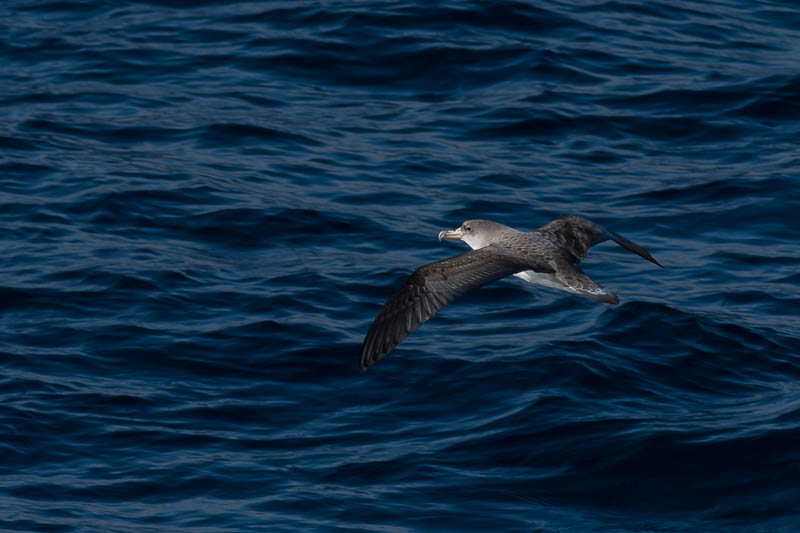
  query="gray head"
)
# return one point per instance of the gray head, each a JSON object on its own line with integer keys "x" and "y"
{"x": 477, "y": 233}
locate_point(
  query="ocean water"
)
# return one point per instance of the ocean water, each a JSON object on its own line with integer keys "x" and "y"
{"x": 204, "y": 205}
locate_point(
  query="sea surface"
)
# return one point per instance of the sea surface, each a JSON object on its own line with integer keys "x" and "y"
{"x": 203, "y": 206}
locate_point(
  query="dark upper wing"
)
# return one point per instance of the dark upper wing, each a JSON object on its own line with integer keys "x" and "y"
{"x": 577, "y": 235}
{"x": 428, "y": 290}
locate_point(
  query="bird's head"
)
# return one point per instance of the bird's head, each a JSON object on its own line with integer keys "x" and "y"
{"x": 476, "y": 233}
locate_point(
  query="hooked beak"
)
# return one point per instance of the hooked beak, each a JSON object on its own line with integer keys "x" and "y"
{"x": 455, "y": 234}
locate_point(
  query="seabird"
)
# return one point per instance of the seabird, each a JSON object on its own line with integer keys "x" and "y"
{"x": 547, "y": 256}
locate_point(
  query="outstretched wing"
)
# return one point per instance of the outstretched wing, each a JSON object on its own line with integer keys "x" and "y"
{"x": 428, "y": 290}
{"x": 578, "y": 234}
{"x": 575, "y": 280}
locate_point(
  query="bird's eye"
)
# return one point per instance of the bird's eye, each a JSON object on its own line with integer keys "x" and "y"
{"x": 467, "y": 228}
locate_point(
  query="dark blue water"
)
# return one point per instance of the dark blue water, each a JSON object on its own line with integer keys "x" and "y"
{"x": 203, "y": 207}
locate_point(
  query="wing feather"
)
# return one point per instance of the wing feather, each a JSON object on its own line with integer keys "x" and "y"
{"x": 428, "y": 290}
{"x": 575, "y": 280}
{"x": 578, "y": 234}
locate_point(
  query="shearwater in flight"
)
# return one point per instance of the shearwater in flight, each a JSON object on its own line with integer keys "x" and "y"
{"x": 547, "y": 256}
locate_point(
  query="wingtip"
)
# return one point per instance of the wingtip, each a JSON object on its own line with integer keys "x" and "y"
{"x": 364, "y": 363}
{"x": 652, "y": 259}
{"x": 367, "y": 360}
{"x": 633, "y": 247}
{"x": 609, "y": 298}
{"x": 647, "y": 255}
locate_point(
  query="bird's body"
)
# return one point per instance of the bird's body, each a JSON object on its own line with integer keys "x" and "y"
{"x": 548, "y": 256}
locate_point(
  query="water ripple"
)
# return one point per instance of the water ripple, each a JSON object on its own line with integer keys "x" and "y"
{"x": 204, "y": 205}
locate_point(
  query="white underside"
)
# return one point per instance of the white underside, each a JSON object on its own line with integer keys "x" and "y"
{"x": 549, "y": 280}
{"x": 546, "y": 280}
